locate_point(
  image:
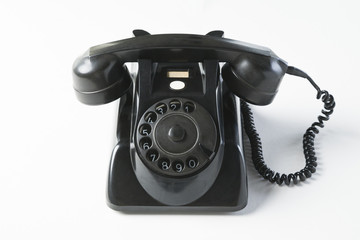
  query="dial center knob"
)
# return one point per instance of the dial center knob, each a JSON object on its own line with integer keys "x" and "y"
{"x": 176, "y": 133}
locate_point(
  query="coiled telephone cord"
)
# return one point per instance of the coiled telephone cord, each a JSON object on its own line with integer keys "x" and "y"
{"x": 308, "y": 138}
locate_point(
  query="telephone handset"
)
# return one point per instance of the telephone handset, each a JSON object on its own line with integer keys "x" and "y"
{"x": 179, "y": 128}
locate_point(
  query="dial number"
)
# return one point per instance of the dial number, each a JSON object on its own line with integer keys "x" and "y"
{"x": 150, "y": 117}
{"x": 164, "y": 164}
{"x": 145, "y": 129}
{"x": 161, "y": 108}
{"x": 152, "y": 155}
{"x": 189, "y": 107}
{"x": 145, "y": 143}
{"x": 192, "y": 162}
{"x": 174, "y": 105}
{"x": 178, "y": 166}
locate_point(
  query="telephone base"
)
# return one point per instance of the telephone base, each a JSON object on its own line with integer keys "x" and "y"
{"x": 228, "y": 193}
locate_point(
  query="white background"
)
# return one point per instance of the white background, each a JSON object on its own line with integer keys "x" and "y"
{"x": 55, "y": 151}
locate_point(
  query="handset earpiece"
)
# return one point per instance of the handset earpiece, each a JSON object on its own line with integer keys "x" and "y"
{"x": 254, "y": 78}
{"x": 100, "y": 79}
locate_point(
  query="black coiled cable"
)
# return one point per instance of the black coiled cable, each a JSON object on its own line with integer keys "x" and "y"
{"x": 308, "y": 138}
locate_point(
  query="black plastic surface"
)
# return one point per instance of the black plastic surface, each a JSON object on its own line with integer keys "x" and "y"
{"x": 189, "y": 47}
{"x": 255, "y": 80}
{"x": 228, "y": 193}
{"x": 100, "y": 80}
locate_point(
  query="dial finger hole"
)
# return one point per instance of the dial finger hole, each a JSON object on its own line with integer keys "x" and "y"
{"x": 178, "y": 166}
{"x": 152, "y": 155}
{"x": 189, "y": 107}
{"x": 145, "y": 143}
{"x": 174, "y": 105}
{"x": 164, "y": 164}
{"x": 161, "y": 108}
{"x": 145, "y": 129}
{"x": 150, "y": 117}
{"x": 192, "y": 162}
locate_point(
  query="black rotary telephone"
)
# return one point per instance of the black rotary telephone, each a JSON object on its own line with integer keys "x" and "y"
{"x": 179, "y": 128}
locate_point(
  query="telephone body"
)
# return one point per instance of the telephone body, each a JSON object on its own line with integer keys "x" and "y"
{"x": 180, "y": 128}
